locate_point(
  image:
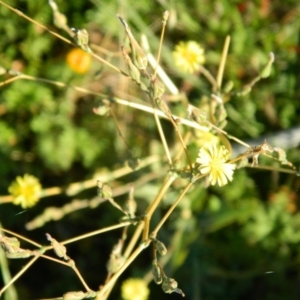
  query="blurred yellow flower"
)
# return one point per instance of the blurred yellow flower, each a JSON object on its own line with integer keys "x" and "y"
{"x": 26, "y": 191}
{"x": 78, "y": 60}
{"x": 205, "y": 139}
{"x": 134, "y": 289}
{"x": 188, "y": 56}
{"x": 213, "y": 161}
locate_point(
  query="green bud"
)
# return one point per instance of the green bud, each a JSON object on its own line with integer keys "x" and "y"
{"x": 267, "y": 69}
{"x": 244, "y": 91}
{"x": 228, "y": 86}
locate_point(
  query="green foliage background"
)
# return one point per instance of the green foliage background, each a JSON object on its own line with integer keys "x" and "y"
{"x": 236, "y": 242}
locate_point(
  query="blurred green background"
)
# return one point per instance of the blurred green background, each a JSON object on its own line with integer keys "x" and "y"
{"x": 236, "y": 242}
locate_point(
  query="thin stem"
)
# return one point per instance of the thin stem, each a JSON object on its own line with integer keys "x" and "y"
{"x": 18, "y": 12}
{"x": 11, "y": 293}
{"x": 199, "y": 177}
{"x": 6, "y": 199}
{"x": 132, "y": 257}
{"x": 208, "y": 76}
{"x": 20, "y": 273}
{"x": 151, "y": 208}
{"x": 222, "y": 62}
{"x": 77, "y": 204}
{"x": 138, "y": 106}
{"x": 170, "y": 210}
{"x": 161, "y": 134}
{"x": 161, "y": 114}
{"x": 9, "y": 80}
{"x": 133, "y": 240}
{"x": 58, "y": 261}
{"x": 80, "y": 278}
{"x": 269, "y": 168}
{"x": 159, "y": 70}
{"x": 126, "y": 254}
{"x": 77, "y": 187}
{"x": 119, "y": 129}
{"x": 165, "y": 19}
{"x": 183, "y": 145}
{"x": 60, "y": 37}
{"x": 181, "y": 150}
{"x": 108, "y": 64}
{"x": 228, "y": 135}
{"x": 21, "y": 237}
{"x": 165, "y": 109}
{"x": 96, "y": 232}
{"x": 68, "y": 264}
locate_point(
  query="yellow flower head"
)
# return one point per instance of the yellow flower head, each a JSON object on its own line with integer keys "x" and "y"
{"x": 134, "y": 289}
{"x": 25, "y": 190}
{"x": 188, "y": 56}
{"x": 213, "y": 162}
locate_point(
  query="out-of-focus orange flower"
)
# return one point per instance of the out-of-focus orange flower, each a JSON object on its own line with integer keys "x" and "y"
{"x": 79, "y": 61}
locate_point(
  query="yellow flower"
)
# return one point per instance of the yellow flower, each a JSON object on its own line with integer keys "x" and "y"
{"x": 134, "y": 289}
{"x": 189, "y": 56}
{"x": 213, "y": 162}
{"x": 25, "y": 190}
{"x": 206, "y": 138}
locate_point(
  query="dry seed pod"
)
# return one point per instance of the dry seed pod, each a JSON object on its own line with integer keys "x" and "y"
{"x": 104, "y": 191}
{"x": 21, "y": 253}
{"x": 59, "y": 249}
{"x": 161, "y": 248}
{"x": 156, "y": 272}
{"x": 81, "y": 38}
{"x": 134, "y": 72}
{"x": 133, "y": 163}
{"x": 74, "y": 296}
{"x": 139, "y": 58}
{"x": 169, "y": 286}
{"x": 10, "y": 244}
{"x": 130, "y": 207}
{"x": 156, "y": 88}
{"x": 114, "y": 263}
